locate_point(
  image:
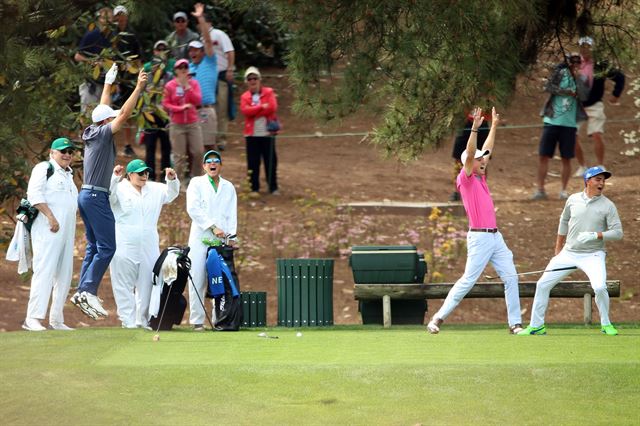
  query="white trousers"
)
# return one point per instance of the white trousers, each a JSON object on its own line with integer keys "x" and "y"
{"x": 592, "y": 264}
{"x": 52, "y": 267}
{"x": 198, "y": 256}
{"x": 482, "y": 248}
{"x": 131, "y": 281}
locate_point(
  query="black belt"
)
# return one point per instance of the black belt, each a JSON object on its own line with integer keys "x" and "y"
{"x": 207, "y": 106}
{"x": 490, "y": 230}
{"x": 96, "y": 188}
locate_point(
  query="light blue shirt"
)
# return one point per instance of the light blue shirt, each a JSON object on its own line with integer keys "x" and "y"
{"x": 206, "y": 72}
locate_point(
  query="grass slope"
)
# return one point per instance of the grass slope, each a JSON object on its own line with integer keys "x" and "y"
{"x": 341, "y": 375}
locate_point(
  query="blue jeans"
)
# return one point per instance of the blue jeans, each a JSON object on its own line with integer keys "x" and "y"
{"x": 100, "y": 231}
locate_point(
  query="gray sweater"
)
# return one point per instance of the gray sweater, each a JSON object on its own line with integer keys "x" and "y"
{"x": 584, "y": 214}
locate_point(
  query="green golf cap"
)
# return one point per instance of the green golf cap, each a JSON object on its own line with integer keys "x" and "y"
{"x": 211, "y": 152}
{"x": 137, "y": 166}
{"x": 61, "y": 144}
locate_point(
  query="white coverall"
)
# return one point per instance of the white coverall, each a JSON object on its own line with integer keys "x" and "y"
{"x": 137, "y": 245}
{"x": 52, "y": 251}
{"x": 207, "y": 208}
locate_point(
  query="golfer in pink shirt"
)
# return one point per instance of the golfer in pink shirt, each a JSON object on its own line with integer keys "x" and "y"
{"x": 484, "y": 242}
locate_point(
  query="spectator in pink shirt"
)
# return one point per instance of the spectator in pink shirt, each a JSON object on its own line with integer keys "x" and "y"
{"x": 182, "y": 98}
{"x": 484, "y": 242}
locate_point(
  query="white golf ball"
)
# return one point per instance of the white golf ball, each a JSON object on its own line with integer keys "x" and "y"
{"x": 298, "y": 334}
{"x": 262, "y": 335}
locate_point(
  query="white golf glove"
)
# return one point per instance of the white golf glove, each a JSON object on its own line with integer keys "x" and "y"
{"x": 111, "y": 74}
{"x": 585, "y": 237}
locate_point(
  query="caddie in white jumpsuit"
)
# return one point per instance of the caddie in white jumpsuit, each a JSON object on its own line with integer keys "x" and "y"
{"x": 212, "y": 205}
{"x": 136, "y": 205}
{"x": 587, "y": 221}
{"x": 52, "y": 236}
{"x": 484, "y": 241}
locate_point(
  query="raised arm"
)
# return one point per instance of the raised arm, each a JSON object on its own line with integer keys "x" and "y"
{"x": 127, "y": 108}
{"x": 204, "y": 28}
{"x": 472, "y": 143}
{"x": 491, "y": 138}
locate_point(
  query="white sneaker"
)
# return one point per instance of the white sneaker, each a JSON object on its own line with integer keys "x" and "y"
{"x": 95, "y": 303}
{"x": 434, "y": 325}
{"x": 32, "y": 324}
{"x": 81, "y": 302}
{"x": 580, "y": 172}
{"x": 60, "y": 326}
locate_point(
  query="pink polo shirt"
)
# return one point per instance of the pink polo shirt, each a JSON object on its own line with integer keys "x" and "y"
{"x": 477, "y": 200}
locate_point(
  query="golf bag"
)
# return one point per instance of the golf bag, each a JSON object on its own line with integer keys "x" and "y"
{"x": 223, "y": 288}
{"x": 172, "y": 302}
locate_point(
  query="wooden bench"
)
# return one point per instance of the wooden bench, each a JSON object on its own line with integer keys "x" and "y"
{"x": 386, "y": 292}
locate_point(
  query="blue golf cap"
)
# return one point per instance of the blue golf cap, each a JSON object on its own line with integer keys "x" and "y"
{"x": 594, "y": 171}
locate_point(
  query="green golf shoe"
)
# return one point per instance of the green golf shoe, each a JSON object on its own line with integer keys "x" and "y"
{"x": 609, "y": 330}
{"x": 533, "y": 330}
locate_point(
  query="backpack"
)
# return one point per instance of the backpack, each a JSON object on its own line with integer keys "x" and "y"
{"x": 26, "y": 212}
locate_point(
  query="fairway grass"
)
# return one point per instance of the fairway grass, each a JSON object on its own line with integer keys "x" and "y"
{"x": 338, "y": 375}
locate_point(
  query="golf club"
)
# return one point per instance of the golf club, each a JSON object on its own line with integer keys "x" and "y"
{"x": 201, "y": 302}
{"x": 488, "y": 277}
{"x": 156, "y": 336}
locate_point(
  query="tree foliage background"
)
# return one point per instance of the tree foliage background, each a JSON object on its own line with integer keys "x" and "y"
{"x": 429, "y": 61}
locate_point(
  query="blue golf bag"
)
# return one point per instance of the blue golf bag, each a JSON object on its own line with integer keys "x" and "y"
{"x": 223, "y": 287}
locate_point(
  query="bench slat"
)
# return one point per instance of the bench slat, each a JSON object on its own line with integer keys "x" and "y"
{"x": 480, "y": 290}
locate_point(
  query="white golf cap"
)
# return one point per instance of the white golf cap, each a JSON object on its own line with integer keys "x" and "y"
{"x": 120, "y": 9}
{"x": 479, "y": 154}
{"x": 197, "y": 44}
{"x": 160, "y": 43}
{"x": 585, "y": 40}
{"x": 179, "y": 15}
{"x": 102, "y": 112}
{"x": 251, "y": 70}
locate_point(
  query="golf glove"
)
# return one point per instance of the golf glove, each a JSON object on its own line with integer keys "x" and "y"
{"x": 585, "y": 237}
{"x": 111, "y": 74}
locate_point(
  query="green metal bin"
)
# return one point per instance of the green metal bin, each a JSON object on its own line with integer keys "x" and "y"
{"x": 254, "y": 308}
{"x": 305, "y": 292}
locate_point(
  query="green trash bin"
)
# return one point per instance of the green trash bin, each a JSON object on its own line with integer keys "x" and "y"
{"x": 305, "y": 292}
{"x": 254, "y": 308}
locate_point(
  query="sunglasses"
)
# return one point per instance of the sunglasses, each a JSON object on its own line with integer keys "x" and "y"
{"x": 143, "y": 173}
{"x": 180, "y": 20}
{"x": 252, "y": 78}
{"x": 182, "y": 67}
{"x": 67, "y": 151}
{"x": 212, "y": 160}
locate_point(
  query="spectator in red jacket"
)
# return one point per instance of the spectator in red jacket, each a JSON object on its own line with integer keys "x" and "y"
{"x": 259, "y": 107}
{"x": 182, "y": 97}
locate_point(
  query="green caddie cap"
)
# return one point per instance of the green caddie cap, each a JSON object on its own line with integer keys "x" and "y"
{"x": 61, "y": 144}
{"x": 137, "y": 166}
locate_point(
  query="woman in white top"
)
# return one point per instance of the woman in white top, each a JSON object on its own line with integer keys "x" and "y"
{"x": 52, "y": 191}
{"x": 136, "y": 204}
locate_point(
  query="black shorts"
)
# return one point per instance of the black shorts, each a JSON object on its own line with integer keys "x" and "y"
{"x": 460, "y": 142}
{"x": 563, "y": 136}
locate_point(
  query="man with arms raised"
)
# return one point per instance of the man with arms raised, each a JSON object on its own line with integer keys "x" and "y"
{"x": 484, "y": 242}
{"x": 587, "y": 221}
{"x": 93, "y": 200}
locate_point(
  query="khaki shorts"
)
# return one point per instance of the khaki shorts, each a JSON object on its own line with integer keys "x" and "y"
{"x": 208, "y": 124}
{"x": 595, "y": 123}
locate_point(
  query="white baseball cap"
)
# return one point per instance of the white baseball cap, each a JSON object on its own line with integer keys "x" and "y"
{"x": 196, "y": 44}
{"x": 585, "y": 40}
{"x": 251, "y": 70}
{"x": 120, "y": 9}
{"x": 479, "y": 154}
{"x": 180, "y": 15}
{"x": 102, "y": 112}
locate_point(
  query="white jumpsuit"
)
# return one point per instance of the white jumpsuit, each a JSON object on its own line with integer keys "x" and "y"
{"x": 137, "y": 245}
{"x": 207, "y": 208}
{"x": 52, "y": 251}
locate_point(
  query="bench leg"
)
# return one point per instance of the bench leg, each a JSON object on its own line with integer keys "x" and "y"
{"x": 386, "y": 311}
{"x": 587, "y": 308}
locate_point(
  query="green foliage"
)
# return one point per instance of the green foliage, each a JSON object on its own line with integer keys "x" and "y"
{"x": 428, "y": 62}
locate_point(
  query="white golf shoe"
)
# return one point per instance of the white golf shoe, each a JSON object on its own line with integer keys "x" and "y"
{"x": 95, "y": 303}
{"x": 33, "y": 324}
{"x": 434, "y": 325}
{"x": 80, "y": 301}
{"x": 60, "y": 326}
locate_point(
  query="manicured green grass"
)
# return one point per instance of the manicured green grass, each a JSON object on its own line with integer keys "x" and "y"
{"x": 340, "y": 375}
